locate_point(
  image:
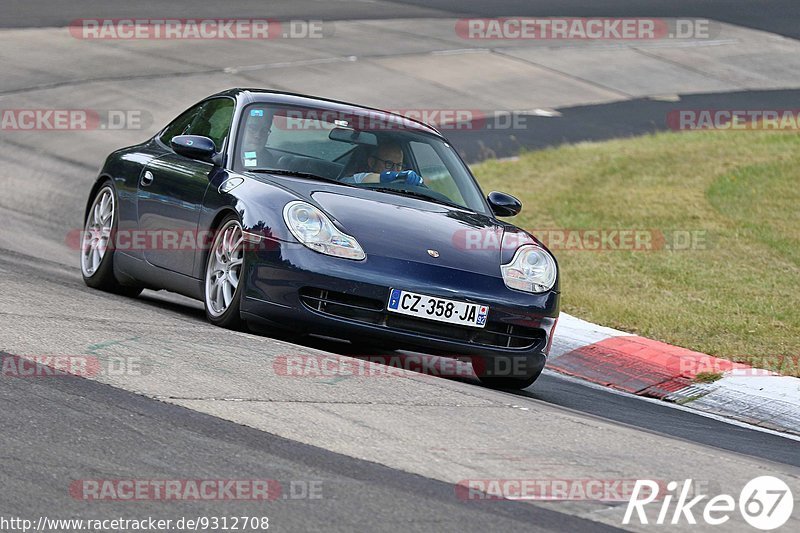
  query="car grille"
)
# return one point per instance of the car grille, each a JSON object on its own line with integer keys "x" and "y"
{"x": 371, "y": 311}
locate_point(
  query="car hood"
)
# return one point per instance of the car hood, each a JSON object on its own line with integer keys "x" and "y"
{"x": 414, "y": 230}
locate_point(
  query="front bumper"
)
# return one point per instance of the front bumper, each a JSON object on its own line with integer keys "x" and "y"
{"x": 294, "y": 288}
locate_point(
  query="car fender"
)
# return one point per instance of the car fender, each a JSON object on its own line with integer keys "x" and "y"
{"x": 258, "y": 202}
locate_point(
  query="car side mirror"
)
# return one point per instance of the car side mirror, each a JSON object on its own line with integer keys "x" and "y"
{"x": 195, "y": 147}
{"x": 504, "y": 205}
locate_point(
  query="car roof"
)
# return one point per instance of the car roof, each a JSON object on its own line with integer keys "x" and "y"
{"x": 250, "y": 95}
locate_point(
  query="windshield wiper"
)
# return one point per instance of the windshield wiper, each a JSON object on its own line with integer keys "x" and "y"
{"x": 296, "y": 173}
{"x": 416, "y": 194}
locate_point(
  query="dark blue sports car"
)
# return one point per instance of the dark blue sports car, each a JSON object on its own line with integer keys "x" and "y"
{"x": 319, "y": 217}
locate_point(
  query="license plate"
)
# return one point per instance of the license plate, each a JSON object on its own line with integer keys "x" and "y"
{"x": 439, "y": 309}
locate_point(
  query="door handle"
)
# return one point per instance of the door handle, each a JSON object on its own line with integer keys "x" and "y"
{"x": 147, "y": 178}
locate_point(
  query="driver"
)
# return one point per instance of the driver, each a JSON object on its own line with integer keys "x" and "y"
{"x": 256, "y": 131}
{"x": 385, "y": 165}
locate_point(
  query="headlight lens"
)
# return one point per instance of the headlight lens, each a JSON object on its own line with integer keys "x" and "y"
{"x": 311, "y": 227}
{"x": 531, "y": 270}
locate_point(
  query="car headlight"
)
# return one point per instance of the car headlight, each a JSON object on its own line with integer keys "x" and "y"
{"x": 311, "y": 227}
{"x": 531, "y": 270}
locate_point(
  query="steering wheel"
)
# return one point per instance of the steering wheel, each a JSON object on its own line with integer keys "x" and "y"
{"x": 402, "y": 180}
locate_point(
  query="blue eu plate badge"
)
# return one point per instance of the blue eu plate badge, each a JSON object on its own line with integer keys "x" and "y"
{"x": 394, "y": 299}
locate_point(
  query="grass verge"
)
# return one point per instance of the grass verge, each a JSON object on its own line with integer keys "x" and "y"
{"x": 722, "y": 211}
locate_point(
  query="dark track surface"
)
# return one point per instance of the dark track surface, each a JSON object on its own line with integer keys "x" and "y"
{"x": 103, "y": 432}
{"x": 606, "y": 121}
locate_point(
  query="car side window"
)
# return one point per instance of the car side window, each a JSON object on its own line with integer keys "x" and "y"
{"x": 180, "y": 126}
{"x": 213, "y": 121}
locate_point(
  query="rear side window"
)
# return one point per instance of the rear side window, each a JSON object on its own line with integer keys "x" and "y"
{"x": 210, "y": 119}
{"x": 214, "y": 121}
{"x": 180, "y": 125}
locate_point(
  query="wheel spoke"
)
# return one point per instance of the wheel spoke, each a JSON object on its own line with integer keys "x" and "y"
{"x": 214, "y": 289}
{"x": 220, "y": 299}
{"x": 86, "y": 242}
{"x": 231, "y": 238}
{"x": 222, "y": 241}
{"x": 105, "y": 206}
{"x": 214, "y": 297}
{"x": 237, "y": 244}
{"x": 227, "y": 293}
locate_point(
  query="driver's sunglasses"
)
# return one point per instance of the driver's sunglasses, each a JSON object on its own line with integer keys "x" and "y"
{"x": 388, "y": 164}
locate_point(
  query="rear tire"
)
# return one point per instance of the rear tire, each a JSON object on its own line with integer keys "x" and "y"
{"x": 97, "y": 244}
{"x": 222, "y": 288}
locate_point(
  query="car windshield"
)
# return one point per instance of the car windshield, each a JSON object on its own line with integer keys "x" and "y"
{"x": 365, "y": 150}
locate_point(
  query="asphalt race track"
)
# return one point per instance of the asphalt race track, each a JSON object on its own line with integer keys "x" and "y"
{"x": 385, "y": 453}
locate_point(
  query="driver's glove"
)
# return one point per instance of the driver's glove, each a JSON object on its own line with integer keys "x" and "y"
{"x": 410, "y": 177}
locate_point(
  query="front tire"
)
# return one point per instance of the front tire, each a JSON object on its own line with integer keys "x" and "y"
{"x": 224, "y": 268}
{"x": 97, "y": 244}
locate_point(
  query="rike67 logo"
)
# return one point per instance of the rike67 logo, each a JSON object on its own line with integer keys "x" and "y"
{"x": 766, "y": 503}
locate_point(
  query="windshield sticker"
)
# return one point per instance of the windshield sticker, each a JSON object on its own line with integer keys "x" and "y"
{"x": 250, "y": 163}
{"x": 250, "y": 155}
{"x": 256, "y": 112}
